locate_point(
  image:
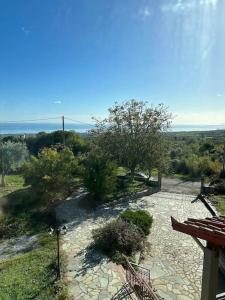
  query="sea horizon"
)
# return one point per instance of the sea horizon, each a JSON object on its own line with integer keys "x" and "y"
{"x": 34, "y": 128}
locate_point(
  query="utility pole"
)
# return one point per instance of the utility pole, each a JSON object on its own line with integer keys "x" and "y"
{"x": 63, "y": 128}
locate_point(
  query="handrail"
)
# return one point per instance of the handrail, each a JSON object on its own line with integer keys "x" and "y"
{"x": 207, "y": 204}
{"x": 146, "y": 291}
{"x": 133, "y": 264}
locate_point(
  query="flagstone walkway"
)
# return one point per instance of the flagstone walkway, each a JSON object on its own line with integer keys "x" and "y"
{"x": 90, "y": 275}
{"x": 175, "y": 260}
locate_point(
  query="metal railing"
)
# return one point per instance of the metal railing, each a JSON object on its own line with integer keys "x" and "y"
{"x": 143, "y": 290}
{"x": 142, "y": 272}
{"x": 124, "y": 293}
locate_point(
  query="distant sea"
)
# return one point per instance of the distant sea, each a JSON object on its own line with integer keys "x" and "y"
{"x": 32, "y": 128}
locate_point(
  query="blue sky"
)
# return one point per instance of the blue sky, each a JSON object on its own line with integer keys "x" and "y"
{"x": 77, "y": 57}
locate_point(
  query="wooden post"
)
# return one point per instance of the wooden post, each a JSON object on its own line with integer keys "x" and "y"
{"x": 210, "y": 272}
{"x": 202, "y": 184}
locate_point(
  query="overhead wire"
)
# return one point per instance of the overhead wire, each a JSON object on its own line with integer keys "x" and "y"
{"x": 31, "y": 120}
{"x": 76, "y": 121}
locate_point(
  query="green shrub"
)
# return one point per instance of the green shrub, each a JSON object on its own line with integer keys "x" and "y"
{"x": 222, "y": 174}
{"x": 99, "y": 176}
{"x": 142, "y": 219}
{"x": 220, "y": 188}
{"x": 119, "y": 258}
{"x": 118, "y": 236}
{"x": 51, "y": 174}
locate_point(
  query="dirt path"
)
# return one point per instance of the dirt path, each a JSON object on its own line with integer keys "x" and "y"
{"x": 174, "y": 185}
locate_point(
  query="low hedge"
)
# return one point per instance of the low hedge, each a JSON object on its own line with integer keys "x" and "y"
{"x": 142, "y": 219}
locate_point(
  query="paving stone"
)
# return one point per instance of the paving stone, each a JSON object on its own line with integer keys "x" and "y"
{"x": 174, "y": 259}
{"x": 177, "y": 258}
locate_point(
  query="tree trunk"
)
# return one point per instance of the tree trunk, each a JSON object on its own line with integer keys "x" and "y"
{"x": 3, "y": 180}
{"x": 132, "y": 174}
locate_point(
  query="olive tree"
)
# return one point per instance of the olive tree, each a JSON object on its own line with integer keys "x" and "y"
{"x": 131, "y": 133}
{"x": 51, "y": 174}
{"x": 12, "y": 156}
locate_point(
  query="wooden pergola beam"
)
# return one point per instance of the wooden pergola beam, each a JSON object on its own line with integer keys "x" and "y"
{"x": 213, "y": 236}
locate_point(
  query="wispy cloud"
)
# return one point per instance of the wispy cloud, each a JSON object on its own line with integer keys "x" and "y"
{"x": 57, "y": 102}
{"x": 208, "y": 2}
{"x": 145, "y": 12}
{"x": 25, "y": 31}
{"x": 178, "y": 6}
{"x": 186, "y": 5}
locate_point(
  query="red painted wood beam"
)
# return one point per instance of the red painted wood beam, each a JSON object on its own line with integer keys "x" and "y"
{"x": 214, "y": 237}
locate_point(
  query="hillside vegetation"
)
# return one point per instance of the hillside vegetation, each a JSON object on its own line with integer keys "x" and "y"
{"x": 116, "y": 159}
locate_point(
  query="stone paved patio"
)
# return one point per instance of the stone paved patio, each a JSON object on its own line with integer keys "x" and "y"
{"x": 175, "y": 260}
{"x": 89, "y": 274}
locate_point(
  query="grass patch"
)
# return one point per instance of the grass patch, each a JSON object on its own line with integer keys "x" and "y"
{"x": 121, "y": 171}
{"x": 24, "y": 213}
{"x": 154, "y": 173}
{"x": 126, "y": 187}
{"x": 32, "y": 275}
{"x": 185, "y": 177}
{"x": 13, "y": 183}
{"x": 219, "y": 202}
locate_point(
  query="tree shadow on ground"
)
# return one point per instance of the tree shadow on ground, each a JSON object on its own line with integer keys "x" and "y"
{"x": 73, "y": 212}
{"x": 91, "y": 259}
{"x": 24, "y": 213}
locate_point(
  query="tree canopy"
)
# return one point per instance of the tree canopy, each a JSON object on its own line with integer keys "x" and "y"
{"x": 46, "y": 140}
{"x": 12, "y": 156}
{"x": 52, "y": 173}
{"x": 132, "y": 132}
